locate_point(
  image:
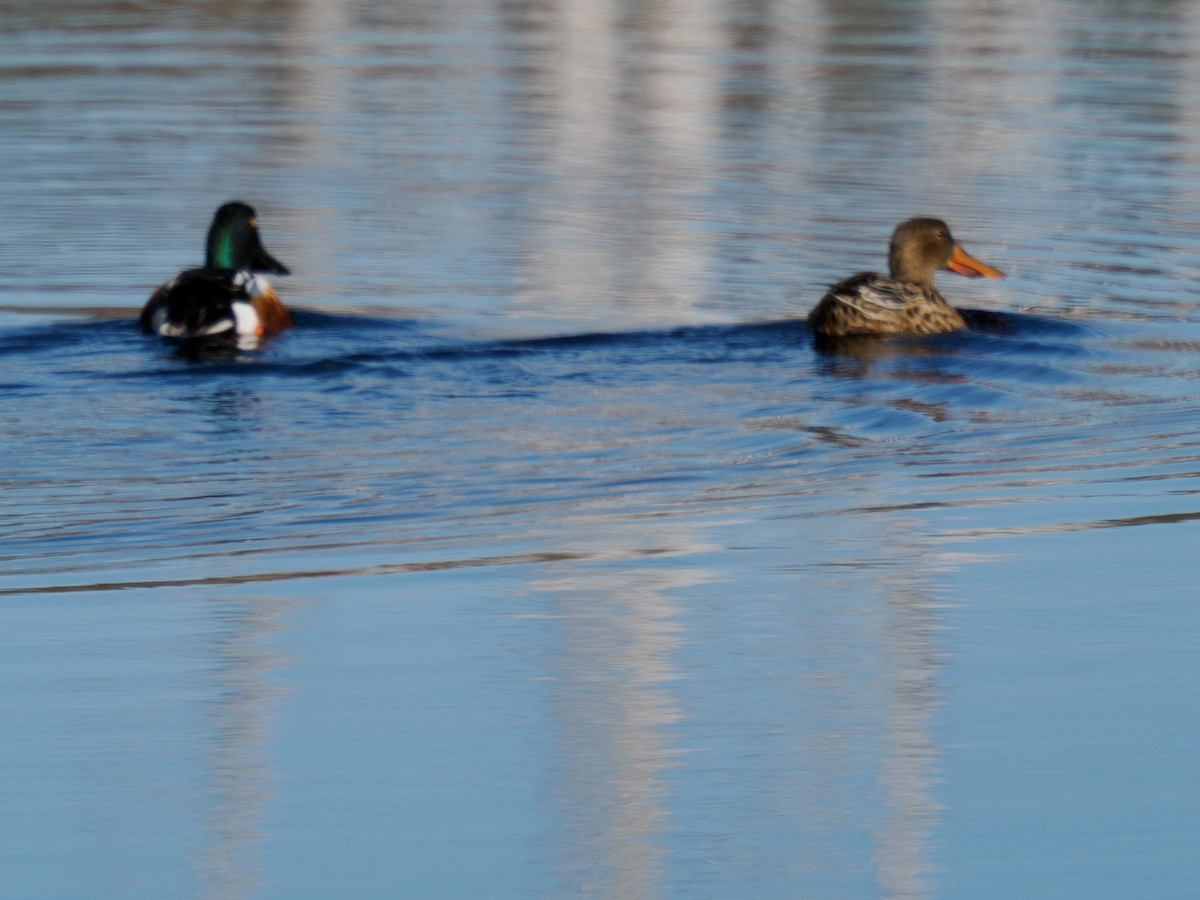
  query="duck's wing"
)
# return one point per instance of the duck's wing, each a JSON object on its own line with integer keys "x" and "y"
{"x": 196, "y": 303}
{"x": 874, "y": 295}
{"x": 866, "y": 303}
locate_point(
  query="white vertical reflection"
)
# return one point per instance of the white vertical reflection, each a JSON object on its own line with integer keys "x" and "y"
{"x": 317, "y": 87}
{"x": 909, "y": 756}
{"x": 799, "y": 736}
{"x": 611, "y": 686}
{"x": 626, "y": 104}
{"x": 229, "y": 864}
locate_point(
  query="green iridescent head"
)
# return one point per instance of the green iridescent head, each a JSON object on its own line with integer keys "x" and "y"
{"x": 233, "y": 242}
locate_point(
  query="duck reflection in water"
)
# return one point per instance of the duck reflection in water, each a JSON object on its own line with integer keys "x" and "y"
{"x": 905, "y": 301}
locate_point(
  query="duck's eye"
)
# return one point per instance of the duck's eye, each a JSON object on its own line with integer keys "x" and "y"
{"x": 941, "y": 234}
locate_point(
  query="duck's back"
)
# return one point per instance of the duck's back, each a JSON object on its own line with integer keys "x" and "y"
{"x": 196, "y": 303}
{"x": 868, "y": 303}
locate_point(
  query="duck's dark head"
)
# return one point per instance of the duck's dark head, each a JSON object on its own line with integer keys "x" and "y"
{"x": 234, "y": 243}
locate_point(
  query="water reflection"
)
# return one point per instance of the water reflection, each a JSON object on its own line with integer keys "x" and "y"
{"x": 624, "y": 128}
{"x": 647, "y": 697}
{"x": 612, "y": 671}
{"x": 241, "y": 769}
{"x": 870, "y": 687}
{"x": 915, "y": 691}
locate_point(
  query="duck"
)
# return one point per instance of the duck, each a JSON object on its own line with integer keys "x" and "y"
{"x": 226, "y": 297}
{"x": 906, "y": 301}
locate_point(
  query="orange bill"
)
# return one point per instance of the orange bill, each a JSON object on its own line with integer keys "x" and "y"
{"x": 964, "y": 263}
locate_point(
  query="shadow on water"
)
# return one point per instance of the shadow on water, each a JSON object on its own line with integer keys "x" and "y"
{"x": 1041, "y": 342}
{"x": 323, "y": 343}
{"x": 1026, "y": 331}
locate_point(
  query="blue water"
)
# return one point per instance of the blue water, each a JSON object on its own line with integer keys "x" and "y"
{"x": 549, "y": 554}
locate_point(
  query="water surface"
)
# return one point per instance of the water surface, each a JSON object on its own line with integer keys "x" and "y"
{"x": 549, "y": 554}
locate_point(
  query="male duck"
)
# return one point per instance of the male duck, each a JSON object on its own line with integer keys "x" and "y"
{"x": 907, "y": 302}
{"x": 225, "y": 298}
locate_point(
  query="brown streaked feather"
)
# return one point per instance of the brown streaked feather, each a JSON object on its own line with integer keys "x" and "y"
{"x": 872, "y": 304}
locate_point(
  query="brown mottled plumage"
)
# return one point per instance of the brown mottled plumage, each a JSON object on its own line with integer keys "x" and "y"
{"x": 906, "y": 302}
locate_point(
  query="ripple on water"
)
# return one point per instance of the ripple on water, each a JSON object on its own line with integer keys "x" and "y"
{"x": 369, "y": 437}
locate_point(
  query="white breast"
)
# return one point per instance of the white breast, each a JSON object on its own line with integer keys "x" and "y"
{"x": 245, "y": 318}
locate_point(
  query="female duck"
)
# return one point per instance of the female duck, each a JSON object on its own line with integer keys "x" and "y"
{"x": 906, "y": 302}
{"x": 225, "y": 297}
